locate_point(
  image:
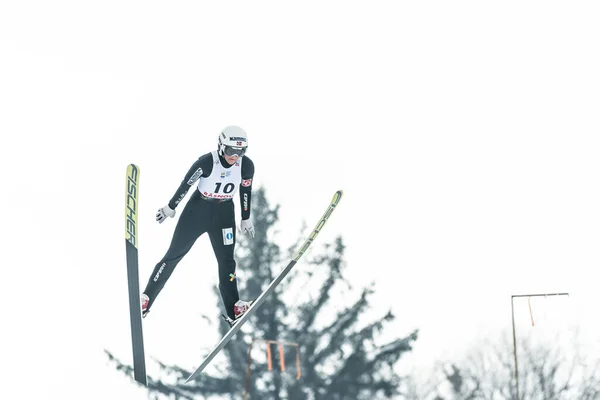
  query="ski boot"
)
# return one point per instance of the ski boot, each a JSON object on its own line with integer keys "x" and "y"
{"x": 145, "y": 302}
{"x": 239, "y": 309}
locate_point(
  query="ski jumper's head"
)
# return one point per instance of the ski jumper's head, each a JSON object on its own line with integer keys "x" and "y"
{"x": 233, "y": 143}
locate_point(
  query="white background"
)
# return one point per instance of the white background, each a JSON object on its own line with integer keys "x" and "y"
{"x": 464, "y": 134}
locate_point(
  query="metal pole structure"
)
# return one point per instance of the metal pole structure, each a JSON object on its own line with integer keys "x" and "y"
{"x": 514, "y": 330}
{"x": 268, "y": 342}
{"x": 512, "y": 306}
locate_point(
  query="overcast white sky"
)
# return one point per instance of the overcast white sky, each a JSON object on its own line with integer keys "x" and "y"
{"x": 464, "y": 134}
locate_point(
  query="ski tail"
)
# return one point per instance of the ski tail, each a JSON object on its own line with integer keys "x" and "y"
{"x": 229, "y": 335}
{"x": 131, "y": 248}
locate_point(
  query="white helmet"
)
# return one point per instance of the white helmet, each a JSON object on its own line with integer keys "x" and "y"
{"x": 233, "y": 140}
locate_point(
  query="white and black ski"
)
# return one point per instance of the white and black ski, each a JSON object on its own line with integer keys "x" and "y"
{"x": 131, "y": 248}
{"x": 238, "y": 324}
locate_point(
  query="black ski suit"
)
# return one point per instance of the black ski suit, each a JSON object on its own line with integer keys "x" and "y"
{"x": 209, "y": 210}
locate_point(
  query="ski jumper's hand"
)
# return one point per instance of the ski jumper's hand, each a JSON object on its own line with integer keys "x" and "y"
{"x": 163, "y": 213}
{"x": 247, "y": 227}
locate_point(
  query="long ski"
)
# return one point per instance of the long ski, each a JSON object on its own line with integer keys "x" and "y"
{"x": 229, "y": 335}
{"x": 131, "y": 248}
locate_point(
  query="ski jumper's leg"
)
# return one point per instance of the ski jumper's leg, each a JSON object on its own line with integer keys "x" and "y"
{"x": 222, "y": 237}
{"x": 192, "y": 223}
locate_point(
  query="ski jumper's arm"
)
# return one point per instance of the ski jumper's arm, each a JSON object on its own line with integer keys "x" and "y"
{"x": 201, "y": 168}
{"x": 246, "y": 186}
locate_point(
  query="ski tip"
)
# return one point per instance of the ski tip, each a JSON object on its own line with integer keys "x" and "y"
{"x": 337, "y": 197}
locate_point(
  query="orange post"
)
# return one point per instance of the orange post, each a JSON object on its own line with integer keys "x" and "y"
{"x": 269, "y": 361}
{"x": 298, "y": 374}
{"x": 281, "y": 357}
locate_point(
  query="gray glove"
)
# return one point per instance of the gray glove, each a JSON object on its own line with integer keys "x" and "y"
{"x": 163, "y": 213}
{"x": 247, "y": 227}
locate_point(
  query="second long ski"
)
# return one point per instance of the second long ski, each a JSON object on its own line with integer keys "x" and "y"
{"x": 229, "y": 335}
{"x": 131, "y": 243}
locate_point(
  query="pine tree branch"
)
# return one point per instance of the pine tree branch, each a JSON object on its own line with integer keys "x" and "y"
{"x": 334, "y": 333}
{"x": 204, "y": 384}
{"x": 358, "y": 367}
{"x": 335, "y": 265}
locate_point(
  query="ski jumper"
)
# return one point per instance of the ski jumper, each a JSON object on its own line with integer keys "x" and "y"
{"x": 209, "y": 210}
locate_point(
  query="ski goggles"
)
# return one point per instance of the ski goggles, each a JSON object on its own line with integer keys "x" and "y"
{"x": 234, "y": 151}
